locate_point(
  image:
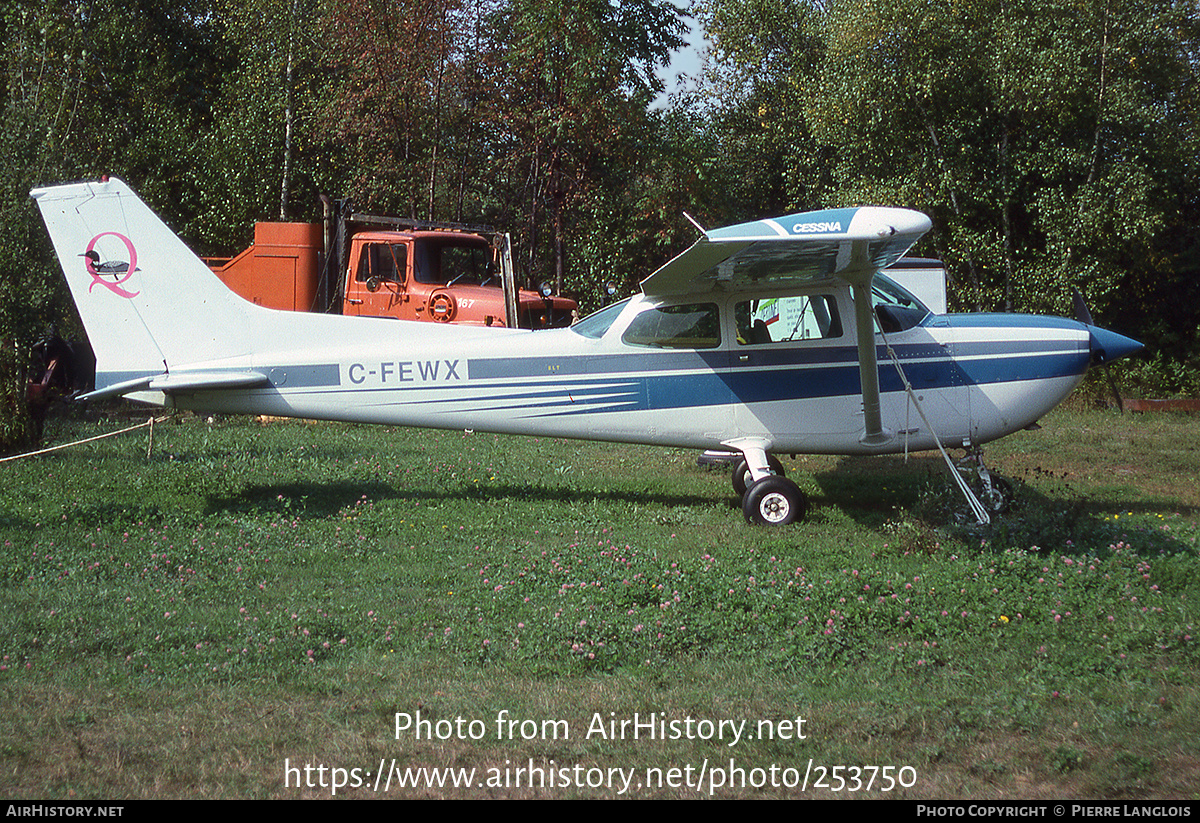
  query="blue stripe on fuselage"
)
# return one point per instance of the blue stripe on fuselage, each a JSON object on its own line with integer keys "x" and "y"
{"x": 583, "y": 384}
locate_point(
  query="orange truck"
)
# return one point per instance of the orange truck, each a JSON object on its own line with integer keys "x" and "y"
{"x": 375, "y": 266}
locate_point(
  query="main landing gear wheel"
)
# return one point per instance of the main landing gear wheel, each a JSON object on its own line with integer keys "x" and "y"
{"x": 774, "y": 501}
{"x": 742, "y": 479}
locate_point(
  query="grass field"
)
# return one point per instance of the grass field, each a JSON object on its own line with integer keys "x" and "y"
{"x": 290, "y": 609}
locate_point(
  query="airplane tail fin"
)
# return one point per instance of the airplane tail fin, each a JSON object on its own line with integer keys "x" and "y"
{"x": 149, "y": 305}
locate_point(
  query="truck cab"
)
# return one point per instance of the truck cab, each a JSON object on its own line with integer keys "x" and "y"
{"x": 387, "y": 267}
{"x": 439, "y": 276}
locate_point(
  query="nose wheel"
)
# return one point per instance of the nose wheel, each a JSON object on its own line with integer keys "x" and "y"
{"x": 994, "y": 492}
{"x": 997, "y": 495}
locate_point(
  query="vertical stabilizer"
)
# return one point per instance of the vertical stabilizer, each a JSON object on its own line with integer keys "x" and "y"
{"x": 148, "y": 303}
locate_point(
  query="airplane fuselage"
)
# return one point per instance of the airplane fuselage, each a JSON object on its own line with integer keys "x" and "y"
{"x": 978, "y": 377}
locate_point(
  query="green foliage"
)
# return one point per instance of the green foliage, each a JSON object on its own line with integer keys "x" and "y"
{"x": 1033, "y": 132}
{"x": 43, "y": 86}
{"x": 393, "y": 110}
{"x": 764, "y": 54}
{"x": 1066, "y": 758}
{"x": 262, "y": 155}
{"x": 151, "y": 71}
{"x": 576, "y": 79}
{"x": 1159, "y": 376}
{"x": 632, "y": 220}
{"x": 1054, "y": 144}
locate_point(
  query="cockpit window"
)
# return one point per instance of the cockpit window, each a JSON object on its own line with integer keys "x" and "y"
{"x": 687, "y": 326}
{"x": 598, "y": 322}
{"x": 895, "y": 309}
{"x": 785, "y": 319}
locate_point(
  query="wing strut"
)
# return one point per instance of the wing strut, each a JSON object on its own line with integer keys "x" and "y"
{"x": 868, "y": 367}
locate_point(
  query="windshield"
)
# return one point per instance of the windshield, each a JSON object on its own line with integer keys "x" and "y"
{"x": 895, "y": 308}
{"x": 598, "y": 322}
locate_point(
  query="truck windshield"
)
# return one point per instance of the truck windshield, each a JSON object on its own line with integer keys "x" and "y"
{"x": 448, "y": 262}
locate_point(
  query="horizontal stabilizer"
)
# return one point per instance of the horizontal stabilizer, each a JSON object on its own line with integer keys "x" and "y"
{"x": 118, "y": 389}
{"x": 181, "y": 382}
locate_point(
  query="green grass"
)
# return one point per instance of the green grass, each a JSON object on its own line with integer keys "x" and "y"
{"x": 185, "y": 623}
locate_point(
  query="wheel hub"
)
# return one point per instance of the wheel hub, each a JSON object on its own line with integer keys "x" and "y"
{"x": 774, "y": 507}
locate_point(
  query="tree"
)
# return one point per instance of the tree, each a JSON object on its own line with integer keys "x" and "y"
{"x": 391, "y": 107}
{"x": 575, "y": 79}
{"x": 89, "y": 88}
{"x": 42, "y": 93}
{"x": 764, "y": 53}
{"x": 1053, "y": 143}
{"x": 151, "y": 75}
{"x": 1037, "y": 133}
{"x": 260, "y": 152}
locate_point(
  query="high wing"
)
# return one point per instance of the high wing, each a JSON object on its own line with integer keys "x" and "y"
{"x": 849, "y": 244}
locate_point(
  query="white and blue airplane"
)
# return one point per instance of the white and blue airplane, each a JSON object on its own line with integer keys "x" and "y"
{"x": 772, "y": 337}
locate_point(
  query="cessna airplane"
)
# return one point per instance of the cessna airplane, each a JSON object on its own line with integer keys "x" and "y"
{"x": 772, "y": 337}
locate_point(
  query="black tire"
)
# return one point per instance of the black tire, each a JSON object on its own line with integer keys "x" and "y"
{"x": 774, "y": 501}
{"x": 741, "y": 473}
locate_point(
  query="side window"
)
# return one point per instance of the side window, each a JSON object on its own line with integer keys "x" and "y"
{"x": 399, "y": 261}
{"x": 787, "y": 319}
{"x": 382, "y": 261}
{"x": 368, "y": 261}
{"x": 689, "y": 326}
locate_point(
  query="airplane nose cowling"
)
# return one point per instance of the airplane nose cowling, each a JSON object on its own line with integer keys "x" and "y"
{"x": 1108, "y": 346}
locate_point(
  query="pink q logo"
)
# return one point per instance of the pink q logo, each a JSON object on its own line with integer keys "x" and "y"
{"x": 95, "y": 268}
